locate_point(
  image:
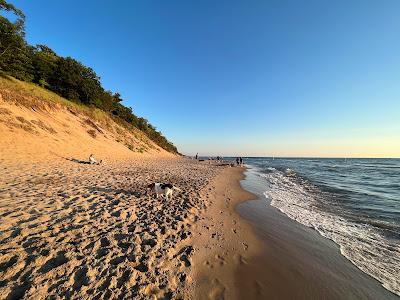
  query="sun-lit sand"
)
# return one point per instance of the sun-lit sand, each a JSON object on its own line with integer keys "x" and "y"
{"x": 71, "y": 230}
{"x": 82, "y": 231}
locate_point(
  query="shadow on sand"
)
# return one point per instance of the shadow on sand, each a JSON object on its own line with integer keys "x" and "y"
{"x": 116, "y": 191}
{"x": 85, "y": 162}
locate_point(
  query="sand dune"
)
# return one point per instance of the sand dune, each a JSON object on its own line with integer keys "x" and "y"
{"x": 45, "y": 126}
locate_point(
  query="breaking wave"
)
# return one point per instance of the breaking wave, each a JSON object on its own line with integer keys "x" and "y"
{"x": 359, "y": 241}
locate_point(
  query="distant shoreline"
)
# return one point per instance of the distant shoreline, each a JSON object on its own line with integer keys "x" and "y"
{"x": 303, "y": 157}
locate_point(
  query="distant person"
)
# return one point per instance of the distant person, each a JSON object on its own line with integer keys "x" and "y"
{"x": 197, "y": 156}
{"x": 93, "y": 160}
{"x": 241, "y": 160}
{"x": 237, "y": 160}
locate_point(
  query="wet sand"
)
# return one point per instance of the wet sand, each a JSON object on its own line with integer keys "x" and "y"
{"x": 223, "y": 242}
{"x": 262, "y": 254}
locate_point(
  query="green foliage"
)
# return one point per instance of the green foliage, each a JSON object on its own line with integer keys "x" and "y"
{"x": 74, "y": 81}
{"x": 20, "y": 22}
{"x": 44, "y": 61}
{"x": 65, "y": 76}
{"x": 15, "y": 54}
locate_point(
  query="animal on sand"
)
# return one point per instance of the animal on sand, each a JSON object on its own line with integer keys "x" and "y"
{"x": 165, "y": 189}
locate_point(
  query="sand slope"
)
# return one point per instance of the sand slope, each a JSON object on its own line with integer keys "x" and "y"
{"x": 36, "y": 124}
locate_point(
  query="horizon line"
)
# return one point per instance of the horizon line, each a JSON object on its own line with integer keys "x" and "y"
{"x": 317, "y": 157}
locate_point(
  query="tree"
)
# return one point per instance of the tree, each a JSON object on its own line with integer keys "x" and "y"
{"x": 117, "y": 97}
{"x": 20, "y": 22}
{"x": 76, "y": 82}
{"x": 44, "y": 61}
{"x": 15, "y": 55}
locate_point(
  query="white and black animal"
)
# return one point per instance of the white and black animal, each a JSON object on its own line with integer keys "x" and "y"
{"x": 165, "y": 189}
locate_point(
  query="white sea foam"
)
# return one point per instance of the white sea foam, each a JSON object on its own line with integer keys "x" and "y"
{"x": 360, "y": 243}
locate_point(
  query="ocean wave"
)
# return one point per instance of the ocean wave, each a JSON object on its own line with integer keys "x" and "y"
{"x": 361, "y": 243}
{"x": 269, "y": 170}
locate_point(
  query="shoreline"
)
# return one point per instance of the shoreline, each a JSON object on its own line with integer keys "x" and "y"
{"x": 95, "y": 231}
{"x": 224, "y": 242}
{"x": 246, "y": 249}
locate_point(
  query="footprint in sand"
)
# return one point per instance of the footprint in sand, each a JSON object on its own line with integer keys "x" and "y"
{"x": 240, "y": 259}
{"x": 217, "y": 291}
{"x": 208, "y": 264}
{"x": 259, "y": 288}
{"x": 220, "y": 259}
{"x": 81, "y": 278}
{"x": 54, "y": 262}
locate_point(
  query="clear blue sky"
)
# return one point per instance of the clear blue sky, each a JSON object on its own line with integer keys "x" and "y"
{"x": 289, "y": 78}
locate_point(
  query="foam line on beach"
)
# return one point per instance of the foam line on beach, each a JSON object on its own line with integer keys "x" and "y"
{"x": 360, "y": 243}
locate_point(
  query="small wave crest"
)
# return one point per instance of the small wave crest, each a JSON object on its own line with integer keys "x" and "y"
{"x": 269, "y": 170}
{"x": 360, "y": 243}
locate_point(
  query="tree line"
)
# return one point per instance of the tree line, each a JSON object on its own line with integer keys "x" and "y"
{"x": 63, "y": 75}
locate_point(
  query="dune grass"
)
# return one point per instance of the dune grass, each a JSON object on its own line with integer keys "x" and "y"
{"x": 33, "y": 96}
{"x": 37, "y": 98}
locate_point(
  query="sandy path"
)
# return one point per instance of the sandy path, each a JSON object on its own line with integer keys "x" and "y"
{"x": 79, "y": 231}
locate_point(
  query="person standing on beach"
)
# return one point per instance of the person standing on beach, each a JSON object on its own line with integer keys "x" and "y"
{"x": 241, "y": 160}
{"x": 237, "y": 160}
{"x": 197, "y": 155}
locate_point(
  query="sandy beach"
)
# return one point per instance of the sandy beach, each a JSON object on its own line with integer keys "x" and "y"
{"x": 225, "y": 243}
{"x": 79, "y": 231}
{"x": 170, "y": 150}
